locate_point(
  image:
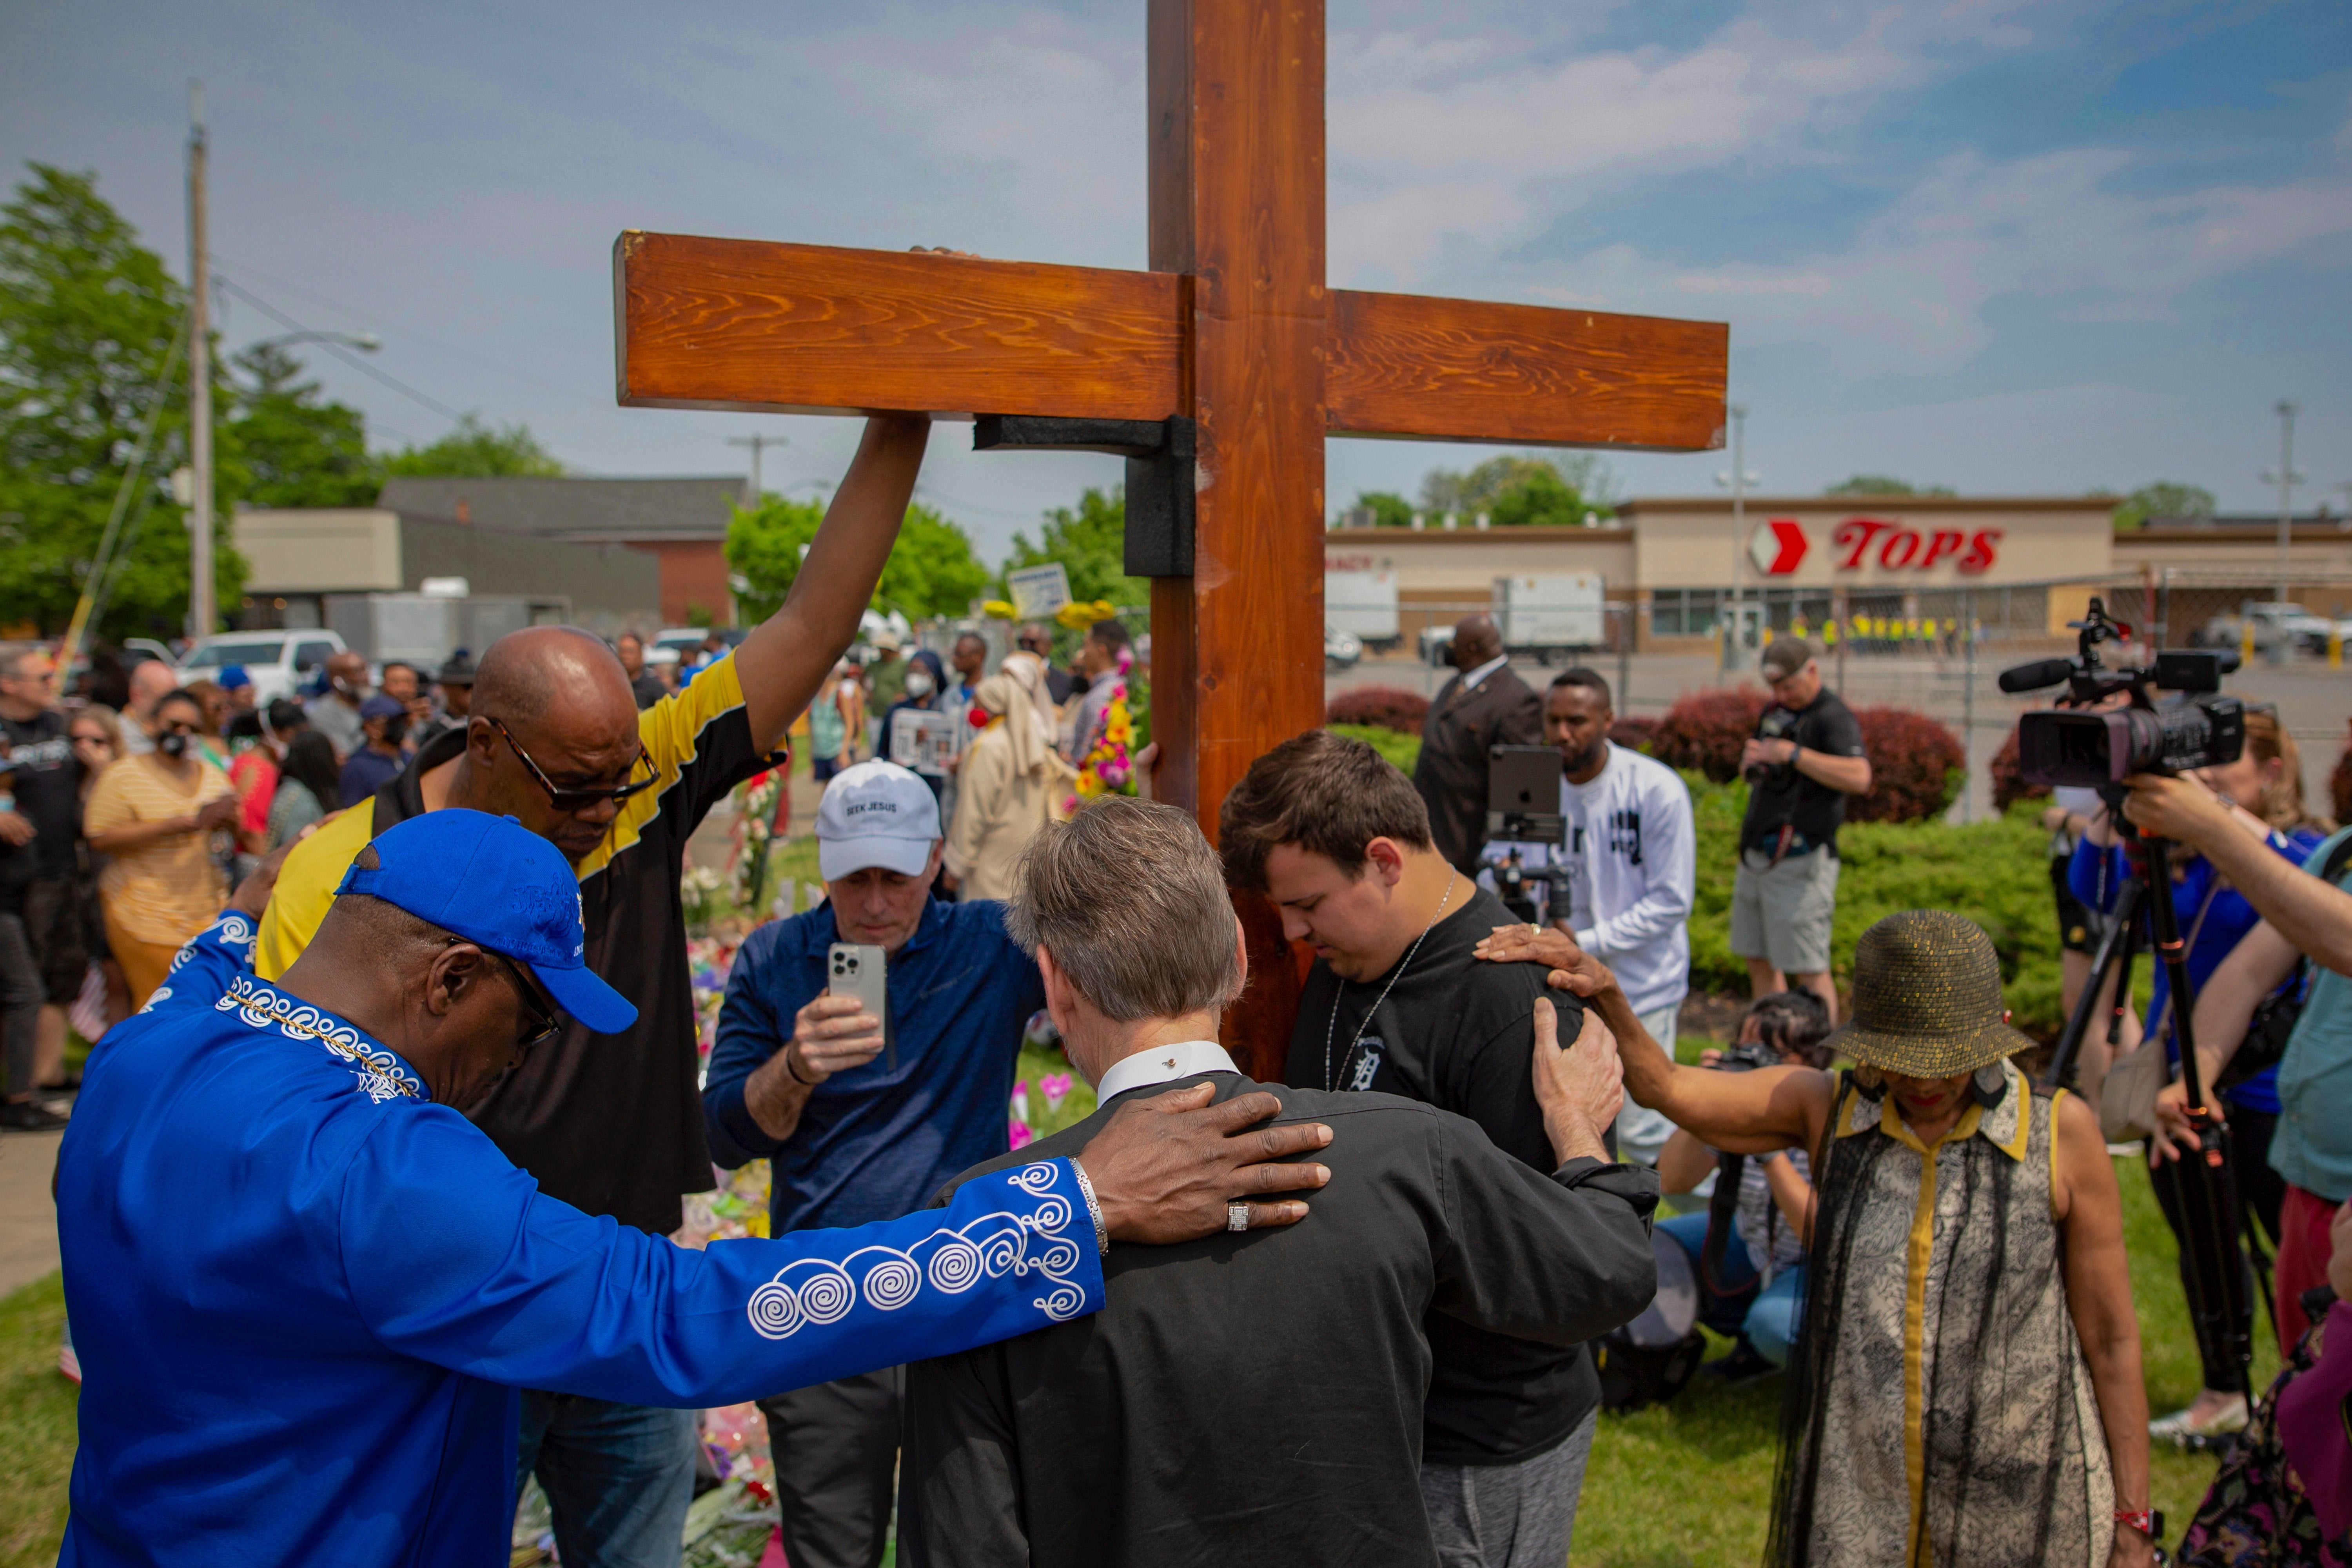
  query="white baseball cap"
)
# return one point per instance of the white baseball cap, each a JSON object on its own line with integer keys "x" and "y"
{"x": 876, "y": 814}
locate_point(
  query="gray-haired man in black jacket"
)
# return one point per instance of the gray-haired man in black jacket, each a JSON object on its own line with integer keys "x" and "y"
{"x": 1257, "y": 1398}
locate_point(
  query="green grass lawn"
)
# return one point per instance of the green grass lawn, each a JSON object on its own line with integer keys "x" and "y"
{"x": 1684, "y": 1483}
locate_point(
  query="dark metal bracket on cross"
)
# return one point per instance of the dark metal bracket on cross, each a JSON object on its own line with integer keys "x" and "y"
{"x": 1231, "y": 344}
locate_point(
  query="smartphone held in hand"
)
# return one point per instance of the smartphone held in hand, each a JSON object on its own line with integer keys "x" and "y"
{"x": 858, "y": 970}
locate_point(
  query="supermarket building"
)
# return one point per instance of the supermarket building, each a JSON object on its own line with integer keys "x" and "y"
{"x": 2022, "y": 565}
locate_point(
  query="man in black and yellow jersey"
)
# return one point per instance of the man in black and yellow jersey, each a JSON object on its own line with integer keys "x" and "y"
{"x": 612, "y": 1124}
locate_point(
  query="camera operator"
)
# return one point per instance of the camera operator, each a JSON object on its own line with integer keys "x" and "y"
{"x": 2307, "y": 913}
{"x": 2215, "y": 917}
{"x": 1747, "y": 1248}
{"x": 1631, "y": 859}
{"x": 1805, "y": 758}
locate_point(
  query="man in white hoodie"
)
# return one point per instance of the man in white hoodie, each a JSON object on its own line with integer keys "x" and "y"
{"x": 1632, "y": 862}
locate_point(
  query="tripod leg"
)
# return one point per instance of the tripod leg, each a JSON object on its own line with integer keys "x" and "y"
{"x": 2219, "y": 1303}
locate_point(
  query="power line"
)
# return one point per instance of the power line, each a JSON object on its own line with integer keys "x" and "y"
{"x": 402, "y": 387}
{"x": 411, "y": 333}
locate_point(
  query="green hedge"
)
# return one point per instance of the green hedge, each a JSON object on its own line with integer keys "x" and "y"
{"x": 1397, "y": 747}
{"x": 1996, "y": 873}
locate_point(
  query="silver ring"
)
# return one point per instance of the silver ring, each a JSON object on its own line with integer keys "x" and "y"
{"x": 1237, "y": 1216}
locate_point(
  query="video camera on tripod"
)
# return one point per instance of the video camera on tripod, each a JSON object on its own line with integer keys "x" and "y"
{"x": 2101, "y": 747}
{"x": 2085, "y": 747}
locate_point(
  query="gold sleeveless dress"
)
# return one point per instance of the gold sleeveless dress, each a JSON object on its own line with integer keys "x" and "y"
{"x": 1940, "y": 1411}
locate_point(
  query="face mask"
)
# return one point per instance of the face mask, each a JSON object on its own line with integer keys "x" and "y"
{"x": 919, "y": 683}
{"x": 346, "y": 688}
{"x": 172, "y": 745}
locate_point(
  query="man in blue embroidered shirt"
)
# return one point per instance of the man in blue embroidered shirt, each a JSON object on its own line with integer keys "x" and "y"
{"x": 305, "y": 1288}
{"x": 801, "y": 1078}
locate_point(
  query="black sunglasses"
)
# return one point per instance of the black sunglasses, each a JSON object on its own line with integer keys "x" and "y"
{"x": 565, "y": 799}
{"x": 546, "y": 1022}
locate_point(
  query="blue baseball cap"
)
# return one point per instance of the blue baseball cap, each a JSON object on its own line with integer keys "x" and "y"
{"x": 501, "y": 887}
{"x": 381, "y": 707}
{"x": 233, "y": 676}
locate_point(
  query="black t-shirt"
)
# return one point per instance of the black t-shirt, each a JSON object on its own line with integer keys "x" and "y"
{"x": 612, "y": 1124}
{"x": 47, "y": 783}
{"x": 1459, "y": 1032}
{"x": 1787, "y": 797}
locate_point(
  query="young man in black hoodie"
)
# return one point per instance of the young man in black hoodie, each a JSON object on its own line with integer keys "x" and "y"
{"x": 1398, "y": 1003}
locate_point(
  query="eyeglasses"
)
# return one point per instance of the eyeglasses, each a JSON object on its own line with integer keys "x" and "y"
{"x": 545, "y": 1021}
{"x": 565, "y": 799}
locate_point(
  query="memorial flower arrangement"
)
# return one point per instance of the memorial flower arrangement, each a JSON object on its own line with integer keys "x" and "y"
{"x": 1108, "y": 768}
{"x": 755, "y": 830}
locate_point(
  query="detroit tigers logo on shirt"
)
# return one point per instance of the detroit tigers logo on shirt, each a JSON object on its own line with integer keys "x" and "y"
{"x": 1368, "y": 1062}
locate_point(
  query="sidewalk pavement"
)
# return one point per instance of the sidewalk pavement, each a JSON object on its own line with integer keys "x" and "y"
{"x": 28, "y": 1220}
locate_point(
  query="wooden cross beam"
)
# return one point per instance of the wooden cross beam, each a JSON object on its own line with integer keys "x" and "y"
{"x": 1232, "y": 328}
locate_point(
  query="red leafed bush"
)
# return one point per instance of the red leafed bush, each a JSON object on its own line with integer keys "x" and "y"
{"x": 1390, "y": 707}
{"x": 1633, "y": 735}
{"x": 2339, "y": 785}
{"x": 1706, "y": 730}
{"x": 2008, "y": 786}
{"x": 1917, "y": 767}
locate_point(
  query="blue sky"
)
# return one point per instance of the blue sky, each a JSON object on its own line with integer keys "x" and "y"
{"x": 2014, "y": 248}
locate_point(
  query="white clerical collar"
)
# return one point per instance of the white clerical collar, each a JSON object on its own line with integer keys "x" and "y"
{"x": 1163, "y": 1064}
{"x": 1470, "y": 681}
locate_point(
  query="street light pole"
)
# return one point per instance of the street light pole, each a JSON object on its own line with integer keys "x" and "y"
{"x": 1738, "y": 480}
{"x": 202, "y": 612}
{"x": 2286, "y": 477}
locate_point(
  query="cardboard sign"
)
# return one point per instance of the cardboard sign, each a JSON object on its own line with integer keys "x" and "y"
{"x": 923, "y": 741}
{"x": 1038, "y": 590}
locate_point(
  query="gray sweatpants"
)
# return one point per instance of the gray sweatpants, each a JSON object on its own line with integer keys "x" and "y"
{"x": 1509, "y": 1516}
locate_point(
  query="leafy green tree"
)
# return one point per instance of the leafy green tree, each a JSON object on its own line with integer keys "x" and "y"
{"x": 1884, "y": 485}
{"x": 2163, "y": 498}
{"x": 1090, "y": 541}
{"x": 1389, "y": 509}
{"x": 87, "y": 318}
{"x": 298, "y": 450}
{"x": 477, "y": 452}
{"x": 931, "y": 570}
{"x": 1519, "y": 491}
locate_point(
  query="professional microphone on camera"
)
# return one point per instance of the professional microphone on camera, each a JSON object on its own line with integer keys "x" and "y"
{"x": 2033, "y": 676}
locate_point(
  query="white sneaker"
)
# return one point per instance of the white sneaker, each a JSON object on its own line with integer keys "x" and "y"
{"x": 2180, "y": 1427}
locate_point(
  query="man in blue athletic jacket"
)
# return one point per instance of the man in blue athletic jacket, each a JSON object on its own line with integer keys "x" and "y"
{"x": 305, "y": 1288}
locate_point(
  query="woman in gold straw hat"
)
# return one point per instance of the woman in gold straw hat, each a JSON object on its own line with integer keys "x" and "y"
{"x": 1967, "y": 1388}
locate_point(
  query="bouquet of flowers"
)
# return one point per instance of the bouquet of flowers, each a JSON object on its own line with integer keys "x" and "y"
{"x": 1107, "y": 768}
{"x": 756, "y": 827}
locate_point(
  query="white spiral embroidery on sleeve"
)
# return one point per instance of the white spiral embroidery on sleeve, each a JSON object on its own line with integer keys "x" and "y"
{"x": 818, "y": 1291}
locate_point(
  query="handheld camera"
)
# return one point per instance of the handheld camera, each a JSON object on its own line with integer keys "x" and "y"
{"x": 2199, "y": 728}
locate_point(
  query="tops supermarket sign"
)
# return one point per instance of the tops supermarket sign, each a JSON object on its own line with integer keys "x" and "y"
{"x": 1781, "y": 545}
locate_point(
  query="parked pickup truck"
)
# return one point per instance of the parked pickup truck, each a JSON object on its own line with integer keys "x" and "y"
{"x": 278, "y": 662}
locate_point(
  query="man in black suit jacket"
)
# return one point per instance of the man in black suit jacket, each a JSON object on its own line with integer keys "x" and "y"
{"x": 1255, "y": 1397}
{"x": 1484, "y": 705}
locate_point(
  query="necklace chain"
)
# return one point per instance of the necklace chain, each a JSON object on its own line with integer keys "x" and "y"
{"x": 1332, "y": 1026}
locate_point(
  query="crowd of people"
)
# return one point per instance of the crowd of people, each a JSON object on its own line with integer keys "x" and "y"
{"x": 398, "y": 1091}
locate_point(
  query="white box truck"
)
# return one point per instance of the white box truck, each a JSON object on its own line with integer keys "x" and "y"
{"x": 1362, "y": 602}
{"x": 1550, "y": 614}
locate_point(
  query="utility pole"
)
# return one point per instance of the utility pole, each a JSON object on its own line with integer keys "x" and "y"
{"x": 1739, "y": 479}
{"x": 757, "y": 442}
{"x": 2286, "y": 477}
{"x": 203, "y": 614}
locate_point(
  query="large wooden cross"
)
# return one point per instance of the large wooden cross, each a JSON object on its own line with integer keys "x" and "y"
{"x": 1227, "y": 364}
